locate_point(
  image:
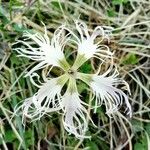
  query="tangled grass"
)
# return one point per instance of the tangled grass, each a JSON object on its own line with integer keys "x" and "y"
{"x": 130, "y": 42}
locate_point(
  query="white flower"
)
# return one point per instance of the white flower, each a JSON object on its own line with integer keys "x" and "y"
{"x": 87, "y": 45}
{"x": 50, "y": 97}
{"x": 105, "y": 90}
{"x": 44, "y": 51}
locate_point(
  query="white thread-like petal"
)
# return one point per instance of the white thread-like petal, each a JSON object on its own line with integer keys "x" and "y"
{"x": 105, "y": 90}
{"x": 46, "y": 100}
{"x": 43, "y": 50}
{"x": 75, "y": 114}
{"x": 86, "y": 42}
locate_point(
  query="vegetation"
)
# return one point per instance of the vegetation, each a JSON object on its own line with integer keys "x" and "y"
{"x": 131, "y": 45}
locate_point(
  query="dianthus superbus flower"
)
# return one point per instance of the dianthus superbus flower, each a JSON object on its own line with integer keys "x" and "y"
{"x": 60, "y": 94}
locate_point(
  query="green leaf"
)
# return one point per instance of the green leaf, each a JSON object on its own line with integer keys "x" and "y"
{"x": 9, "y": 136}
{"x": 86, "y": 67}
{"x": 118, "y": 2}
{"x": 137, "y": 126}
{"x": 18, "y": 60}
{"x": 16, "y": 3}
{"x": 141, "y": 144}
{"x": 19, "y": 28}
{"x": 14, "y": 60}
{"x": 56, "y": 5}
{"x": 147, "y": 128}
{"x": 28, "y": 135}
{"x": 111, "y": 12}
{"x": 3, "y": 18}
{"x": 130, "y": 59}
{"x": 82, "y": 86}
{"x": 92, "y": 146}
{"x": 101, "y": 113}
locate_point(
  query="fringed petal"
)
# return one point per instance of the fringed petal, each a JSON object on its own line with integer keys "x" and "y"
{"x": 44, "y": 51}
{"x": 106, "y": 91}
{"x": 87, "y": 45}
{"x": 74, "y": 120}
{"x": 46, "y": 100}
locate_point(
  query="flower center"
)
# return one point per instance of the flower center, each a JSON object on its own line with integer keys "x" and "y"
{"x": 72, "y": 73}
